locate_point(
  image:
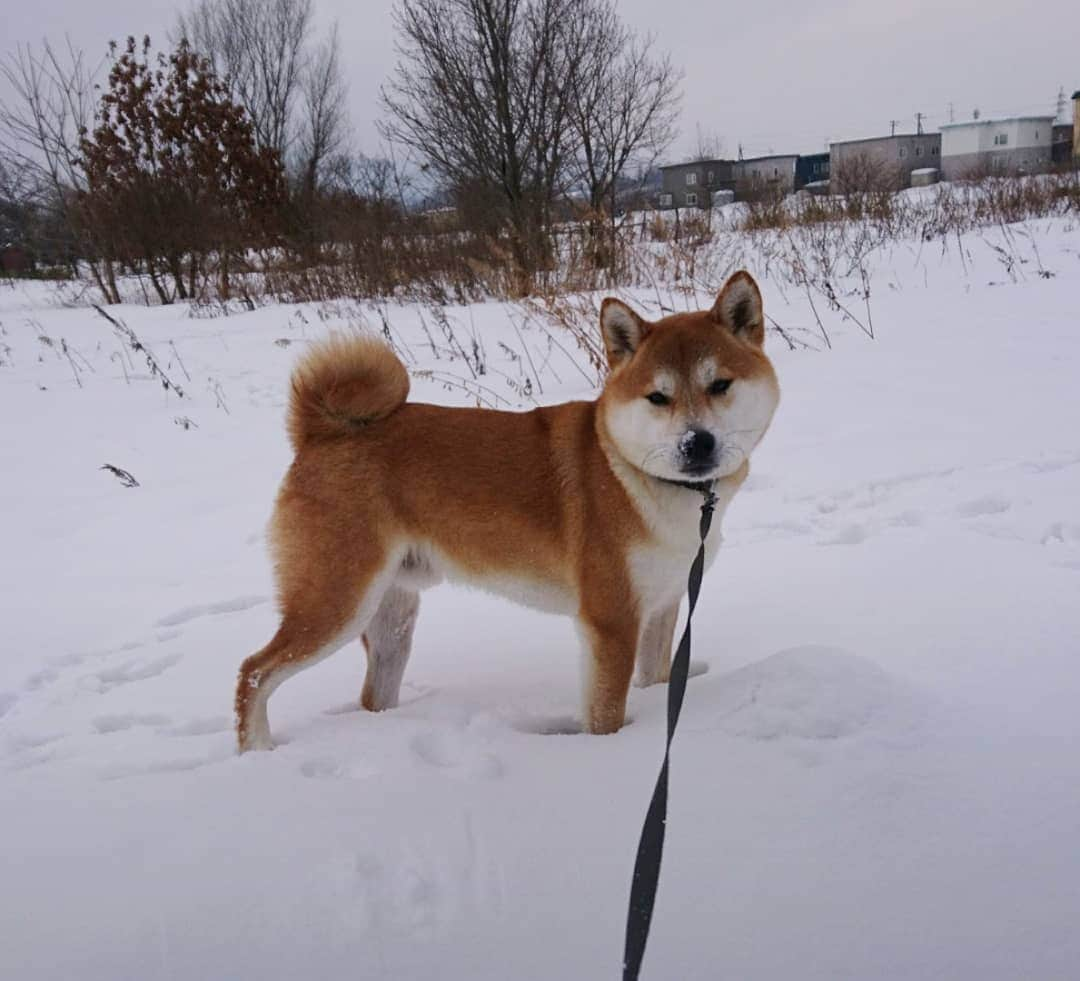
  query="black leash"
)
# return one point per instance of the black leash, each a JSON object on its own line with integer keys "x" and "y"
{"x": 651, "y": 846}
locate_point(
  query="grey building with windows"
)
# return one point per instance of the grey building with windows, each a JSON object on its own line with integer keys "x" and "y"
{"x": 771, "y": 174}
{"x": 691, "y": 185}
{"x": 881, "y": 161}
{"x": 1016, "y": 144}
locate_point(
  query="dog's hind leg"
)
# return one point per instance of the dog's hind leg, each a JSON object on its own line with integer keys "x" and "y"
{"x": 654, "y": 647}
{"x": 319, "y": 615}
{"x": 388, "y": 640}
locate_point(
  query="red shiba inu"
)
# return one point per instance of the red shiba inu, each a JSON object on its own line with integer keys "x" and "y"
{"x": 586, "y": 508}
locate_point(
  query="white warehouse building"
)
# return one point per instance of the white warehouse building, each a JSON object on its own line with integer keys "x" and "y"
{"x": 1020, "y": 144}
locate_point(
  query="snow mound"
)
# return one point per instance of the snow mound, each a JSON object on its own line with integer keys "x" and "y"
{"x": 809, "y": 692}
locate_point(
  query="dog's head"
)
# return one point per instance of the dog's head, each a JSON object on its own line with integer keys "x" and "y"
{"x": 689, "y": 396}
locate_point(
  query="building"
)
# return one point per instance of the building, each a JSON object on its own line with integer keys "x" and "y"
{"x": 812, "y": 168}
{"x": 702, "y": 183}
{"x": 774, "y": 174}
{"x": 881, "y": 162}
{"x": 1076, "y": 125}
{"x": 1017, "y": 144}
{"x": 691, "y": 185}
{"x": 1061, "y": 144}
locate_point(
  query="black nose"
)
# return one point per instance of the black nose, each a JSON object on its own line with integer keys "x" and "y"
{"x": 698, "y": 446}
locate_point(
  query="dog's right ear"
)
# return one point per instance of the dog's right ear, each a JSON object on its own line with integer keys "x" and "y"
{"x": 623, "y": 330}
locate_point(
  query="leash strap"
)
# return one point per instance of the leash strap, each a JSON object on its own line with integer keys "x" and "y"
{"x": 651, "y": 845}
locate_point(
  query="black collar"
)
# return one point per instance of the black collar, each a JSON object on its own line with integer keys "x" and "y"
{"x": 701, "y": 486}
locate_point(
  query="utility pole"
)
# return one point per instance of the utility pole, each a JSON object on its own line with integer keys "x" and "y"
{"x": 892, "y": 126}
{"x": 952, "y": 113}
{"x": 918, "y": 122}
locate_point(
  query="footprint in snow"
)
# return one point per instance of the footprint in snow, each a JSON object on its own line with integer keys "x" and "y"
{"x": 189, "y": 613}
{"x": 983, "y": 506}
{"x": 182, "y": 765}
{"x": 132, "y": 671}
{"x": 549, "y": 725}
{"x": 1061, "y": 533}
{"x": 1051, "y": 465}
{"x": 451, "y": 753}
{"x": 107, "y": 724}
{"x": 418, "y": 885}
{"x": 201, "y": 727}
{"x": 849, "y": 535}
{"x": 328, "y": 768}
{"x": 28, "y": 741}
{"x": 57, "y": 666}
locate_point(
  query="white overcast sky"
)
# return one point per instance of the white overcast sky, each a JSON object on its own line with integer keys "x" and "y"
{"x": 773, "y": 75}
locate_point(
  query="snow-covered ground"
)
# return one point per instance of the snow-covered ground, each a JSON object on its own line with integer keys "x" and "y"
{"x": 877, "y": 778}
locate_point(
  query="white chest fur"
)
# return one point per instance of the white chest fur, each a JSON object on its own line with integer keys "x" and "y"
{"x": 659, "y": 568}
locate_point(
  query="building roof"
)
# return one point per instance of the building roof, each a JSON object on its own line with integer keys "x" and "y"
{"x": 768, "y": 156}
{"x": 694, "y": 163}
{"x": 1041, "y": 118}
{"x": 884, "y": 139}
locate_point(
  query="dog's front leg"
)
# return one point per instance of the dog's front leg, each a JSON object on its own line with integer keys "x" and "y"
{"x": 654, "y": 647}
{"x": 612, "y": 644}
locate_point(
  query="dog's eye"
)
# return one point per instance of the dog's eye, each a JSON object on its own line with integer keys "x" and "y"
{"x": 658, "y": 398}
{"x": 720, "y": 386}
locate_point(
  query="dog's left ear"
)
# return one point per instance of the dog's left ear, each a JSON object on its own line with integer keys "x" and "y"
{"x": 738, "y": 308}
{"x": 623, "y": 330}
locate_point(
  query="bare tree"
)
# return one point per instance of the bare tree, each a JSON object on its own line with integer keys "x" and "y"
{"x": 51, "y": 102}
{"x": 707, "y": 146}
{"x": 479, "y": 95}
{"x": 325, "y": 125}
{"x": 624, "y": 101}
{"x": 294, "y": 92}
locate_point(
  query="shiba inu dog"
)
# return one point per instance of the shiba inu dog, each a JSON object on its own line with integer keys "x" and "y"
{"x": 585, "y": 508}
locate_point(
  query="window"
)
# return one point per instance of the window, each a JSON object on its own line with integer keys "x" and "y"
{"x": 665, "y": 200}
{"x": 691, "y": 198}
{"x": 1036, "y": 134}
{"x": 903, "y": 152}
{"x": 711, "y": 173}
{"x": 691, "y": 178}
{"x": 776, "y": 171}
{"x": 1001, "y": 139}
{"x": 918, "y": 151}
{"x": 933, "y": 151}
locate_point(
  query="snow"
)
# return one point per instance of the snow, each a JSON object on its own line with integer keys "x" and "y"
{"x": 876, "y": 777}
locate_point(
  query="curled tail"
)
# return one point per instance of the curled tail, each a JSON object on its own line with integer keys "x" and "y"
{"x": 341, "y": 384}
